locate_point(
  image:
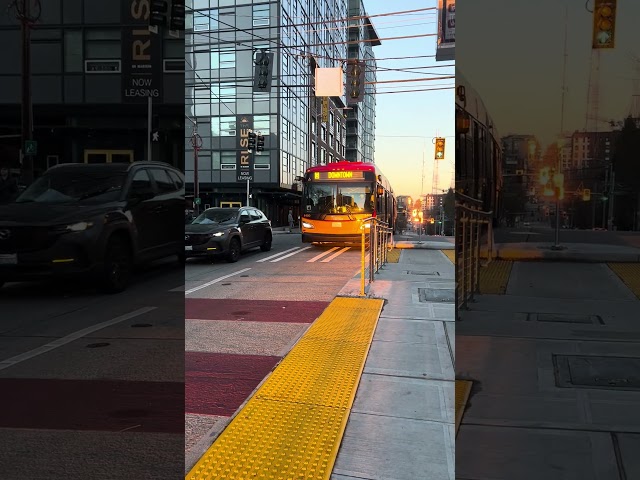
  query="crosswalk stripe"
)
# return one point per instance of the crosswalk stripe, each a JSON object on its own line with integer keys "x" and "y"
{"x": 219, "y": 279}
{"x": 277, "y": 255}
{"x": 322, "y": 255}
{"x": 335, "y": 255}
{"x": 290, "y": 254}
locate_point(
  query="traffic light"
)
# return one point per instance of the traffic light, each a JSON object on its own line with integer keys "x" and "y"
{"x": 355, "y": 82}
{"x": 252, "y": 140}
{"x": 439, "y": 148}
{"x": 260, "y": 147}
{"x": 604, "y": 20}
{"x": 586, "y": 194}
{"x": 262, "y": 74}
{"x": 158, "y": 15}
{"x": 177, "y": 15}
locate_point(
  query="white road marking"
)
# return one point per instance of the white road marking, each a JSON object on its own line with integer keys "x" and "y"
{"x": 10, "y": 362}
{"x": 317, "y": 257}
{"x": 277, "y": 255}
{"x": 290, "y": 254}
{"x": 335, "y": 255}
{"x": 219, "y": 279}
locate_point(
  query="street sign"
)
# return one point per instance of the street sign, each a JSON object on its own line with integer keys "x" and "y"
{"x": 197, "y": 201}
{"x": 30, "y": 147}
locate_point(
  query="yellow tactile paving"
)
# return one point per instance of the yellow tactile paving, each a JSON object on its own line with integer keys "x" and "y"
{"x": 629, "y": 273}
{"x": 394, "y": 255}
{"x": 463, "y": 389}
{"x": 495, "y": 277}
{"x": 451, "y": 255}
{"x": 292, "y": 427}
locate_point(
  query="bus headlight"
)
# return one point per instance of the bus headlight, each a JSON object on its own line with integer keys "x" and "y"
{"x": 367, "y": 225}
{"x": 307, "y": 225}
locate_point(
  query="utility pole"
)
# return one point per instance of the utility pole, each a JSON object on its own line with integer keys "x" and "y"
{"x": 612, "y": 196}
{"x": 27, "y": 18}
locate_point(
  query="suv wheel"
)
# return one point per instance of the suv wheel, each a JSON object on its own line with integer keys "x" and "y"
{"x": 266, "y": 245}
{"x": 117, "y": 266}
{"x": 234, "y": 250}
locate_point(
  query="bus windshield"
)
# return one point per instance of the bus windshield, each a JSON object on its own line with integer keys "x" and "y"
{"x": 335, "y": 198}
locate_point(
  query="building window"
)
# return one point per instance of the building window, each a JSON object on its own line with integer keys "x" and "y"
{"x": 331, "y": 140}
{"x": 102, "y": 45}
{"x": 205, "y": 21}
{"x": 313, "y": 153}
{"x": 73, "y": 54}
{"x": 323, "y": 156}
{"x": 331, "y": 119}
{"x": 227, "y": 159}
{"x": 223, "y": 93}
{"x": 324, "y": 133}
{"x": 261, "y": 124}
{"x": 314, "y": 129}
{"x": 223, "y": 59}
{"x": 223, "y": 126}
{"x": 261, "y": 15}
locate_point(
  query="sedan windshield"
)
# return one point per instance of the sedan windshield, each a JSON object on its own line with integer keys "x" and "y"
{"x": 332, "y": 198}
{"x": 67, "y": 187}
{"x": 216, "y": 216}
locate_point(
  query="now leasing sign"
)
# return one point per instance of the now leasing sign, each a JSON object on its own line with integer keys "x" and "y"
{"x": 141, "y": 54}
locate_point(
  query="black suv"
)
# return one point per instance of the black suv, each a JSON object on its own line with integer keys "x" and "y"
{"x": 93, "y": 219}
{"x": 227, "y": 231}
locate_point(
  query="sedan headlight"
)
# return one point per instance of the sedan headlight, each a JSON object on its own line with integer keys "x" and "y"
{"x": 217, "y": 234}
{"x": 307, "y": 225}
{"x": 79, "y": 226}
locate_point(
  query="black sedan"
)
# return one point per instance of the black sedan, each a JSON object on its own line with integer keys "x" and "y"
{"x": 227, "y": 232}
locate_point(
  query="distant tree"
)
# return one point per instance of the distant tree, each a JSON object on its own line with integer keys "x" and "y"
{"x": 449, "y": 204}
{"x": 627, "y": 171}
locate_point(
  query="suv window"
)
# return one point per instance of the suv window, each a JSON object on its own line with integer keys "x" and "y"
{"x": 255, "y": 215}
{"x": 176, "y": 179}
{"x": 244, "y": 215}
{"x": 141, "y": 183}
{"x": 163, "y": 181}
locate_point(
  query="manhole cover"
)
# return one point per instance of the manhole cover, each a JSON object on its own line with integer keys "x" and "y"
{"x": 141, "y": 325}
{"x": 584, "y": 371}
{"x": 98, "y": 345}
{"x": 436, "y": 295}
{"x": 564, "y": 318}
{"x": 411, "y": 272}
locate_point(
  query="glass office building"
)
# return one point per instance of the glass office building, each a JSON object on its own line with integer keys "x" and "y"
{"x": 222, "y": 40}
{"x": 89, "y": 99}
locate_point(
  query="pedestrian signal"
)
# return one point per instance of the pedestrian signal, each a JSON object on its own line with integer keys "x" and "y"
{"x": 586, "y": 195}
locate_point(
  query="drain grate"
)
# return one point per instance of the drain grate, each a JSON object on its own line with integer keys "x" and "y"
{"x": 585, "y": 371}
{"x": 413, "y": 272}
{"x": 436, "y": 295}
{"x": 564, "y": 318}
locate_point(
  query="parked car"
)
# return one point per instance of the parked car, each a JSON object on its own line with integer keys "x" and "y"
{"x": 97, "y": 220}
{"x": 227, "y": 232}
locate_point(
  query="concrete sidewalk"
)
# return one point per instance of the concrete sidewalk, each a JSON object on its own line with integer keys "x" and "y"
{"x": 569, "y": 252}
{"x": 556, "y": 370}
{"x": 401, "y": 425}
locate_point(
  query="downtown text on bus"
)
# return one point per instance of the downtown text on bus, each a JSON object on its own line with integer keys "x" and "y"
{"x": 336, "y": 197}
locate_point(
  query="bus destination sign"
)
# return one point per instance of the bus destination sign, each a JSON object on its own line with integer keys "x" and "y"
{"x": 343, "y": 175}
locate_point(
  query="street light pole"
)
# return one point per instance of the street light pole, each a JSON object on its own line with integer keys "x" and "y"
{"x": 23, "y": 10}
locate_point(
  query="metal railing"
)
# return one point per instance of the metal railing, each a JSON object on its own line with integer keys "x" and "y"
{"x": 379, "y": 242}
{"x": 470, "y": 220}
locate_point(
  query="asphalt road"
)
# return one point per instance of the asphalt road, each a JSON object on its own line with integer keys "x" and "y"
{"x": 92, "y": 384}
{"x": 544, "y": 233}
{"x": 242, "y": 318}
